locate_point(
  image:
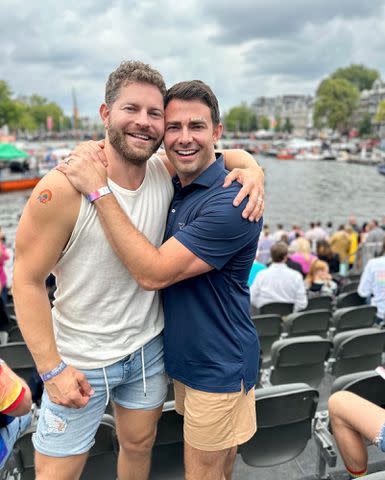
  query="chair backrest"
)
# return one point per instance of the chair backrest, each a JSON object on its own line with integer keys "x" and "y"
{"x": 311, "y": 322}
{"x": 19, "y": 358}
{"x": 353, "y": 277}
{"x": 269, "y": 329}
{"x": 350, "y": 318}
{"x": 284, "y": 412}
{"x": 350, "y": 286}
{"x": 366, "y": 384}
{"x": 323, "y": 302}
{"x": 167, "y": 454}
{"x": 350, "y": 299}
{"x": 14, "y": 335}
{"x": 357, "y": 350}
{"x": 277, "y": 307}
{"x": 299, "y": 359}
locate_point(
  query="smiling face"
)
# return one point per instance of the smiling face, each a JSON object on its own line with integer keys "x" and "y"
{"x": 189, "y": 137}
{"x": 135, "y": 122}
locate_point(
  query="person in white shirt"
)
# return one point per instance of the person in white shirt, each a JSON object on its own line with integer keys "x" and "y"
{"x": 372, "y": 283}
{"x": 279, "y": 283}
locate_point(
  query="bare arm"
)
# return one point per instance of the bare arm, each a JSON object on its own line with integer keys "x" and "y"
{"x": 244, "y": 169}
{"x": 43, "y": 231}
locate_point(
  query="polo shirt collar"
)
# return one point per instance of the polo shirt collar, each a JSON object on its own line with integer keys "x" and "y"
{"x": 207, "y": 177}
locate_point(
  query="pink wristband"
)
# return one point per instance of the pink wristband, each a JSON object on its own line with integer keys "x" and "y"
{"x": 100, "y": 192}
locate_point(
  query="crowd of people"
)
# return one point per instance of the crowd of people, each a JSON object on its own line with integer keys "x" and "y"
{"x": 320, "y": 257}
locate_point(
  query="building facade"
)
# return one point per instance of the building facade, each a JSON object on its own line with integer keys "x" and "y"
{"x": 298, "y": 109}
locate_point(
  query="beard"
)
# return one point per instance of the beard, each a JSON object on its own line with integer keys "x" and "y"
{"x": 128, "y": 153}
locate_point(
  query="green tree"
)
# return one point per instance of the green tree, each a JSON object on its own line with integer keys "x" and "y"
{"x": 253, "y": 122}
{"x": 23, "y": 119}
{"x": 287, "y": 126}
{"x": 8, "y": 109}
{"x": 360, "y": 76}
{"x": 380, "y": 115}
{"x": 365, "y": 126}
{"x": 335, "y": 102}
{"x": 265, "y": 123}
{"x": 240, "y": 118}
{"x": 40, "y": 109}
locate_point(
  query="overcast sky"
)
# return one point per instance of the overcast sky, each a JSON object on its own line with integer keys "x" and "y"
{"x": 248, "y": 49}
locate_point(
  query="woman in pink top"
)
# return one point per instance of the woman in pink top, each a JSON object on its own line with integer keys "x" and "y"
{"x": 302, "y": 254}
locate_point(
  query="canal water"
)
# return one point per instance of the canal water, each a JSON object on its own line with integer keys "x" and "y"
{"x": 305, "y": 191}
{"x": 296, "y": 192}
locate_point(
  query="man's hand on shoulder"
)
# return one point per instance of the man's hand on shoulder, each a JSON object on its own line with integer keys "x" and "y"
{"x": 252, "y": 181}
{"x": 70, "y": 388}
{"x": 85, "y": 168}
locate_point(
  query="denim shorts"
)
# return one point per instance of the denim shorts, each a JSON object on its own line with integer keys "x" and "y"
{"x": 379, "y": 441}
{"x": 63, "y": 431}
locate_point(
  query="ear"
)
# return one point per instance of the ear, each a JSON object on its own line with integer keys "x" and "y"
{"x": 218, "y": 130}
{"x": 104, "y": 113}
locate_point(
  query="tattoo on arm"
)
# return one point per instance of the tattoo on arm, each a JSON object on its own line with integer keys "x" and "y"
{"x": 45, "y": 196}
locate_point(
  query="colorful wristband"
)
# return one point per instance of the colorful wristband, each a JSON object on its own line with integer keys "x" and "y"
{"x": 100, "y": 192}
{"x": 55, "y": 371}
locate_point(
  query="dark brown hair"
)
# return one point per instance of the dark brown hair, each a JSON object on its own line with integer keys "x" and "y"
{"x": 195, "y": 90}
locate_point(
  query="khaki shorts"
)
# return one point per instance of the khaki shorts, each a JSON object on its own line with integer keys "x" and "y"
{"x": 215, "y": 421}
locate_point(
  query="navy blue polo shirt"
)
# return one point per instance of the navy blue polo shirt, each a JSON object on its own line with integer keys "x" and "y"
{"x": 210, "y": 341}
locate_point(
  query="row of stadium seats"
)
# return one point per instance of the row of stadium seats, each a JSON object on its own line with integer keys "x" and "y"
{"x": 287, "y": 420}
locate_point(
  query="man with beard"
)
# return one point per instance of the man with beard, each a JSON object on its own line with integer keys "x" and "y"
{"x": 103, "y": 338}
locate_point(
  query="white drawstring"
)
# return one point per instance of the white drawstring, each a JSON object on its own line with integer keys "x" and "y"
{"x": 144, "y": 374}
{"x": 107, "y": 387}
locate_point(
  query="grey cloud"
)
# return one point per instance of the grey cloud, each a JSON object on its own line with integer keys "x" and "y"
{"x": 246, "y": 19}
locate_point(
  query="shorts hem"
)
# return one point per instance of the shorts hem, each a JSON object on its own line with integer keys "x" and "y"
{"x": 140, "y": 407}
{"x": 43, "y": 451}
{"x": 224, "y": 445}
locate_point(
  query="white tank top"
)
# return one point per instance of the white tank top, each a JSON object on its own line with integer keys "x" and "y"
{"x": 100, "y": 313}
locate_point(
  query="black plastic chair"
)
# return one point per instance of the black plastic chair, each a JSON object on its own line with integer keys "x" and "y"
{"x": 350, "y": 318}
{"x": 367, "y": 384}
{"x": 323, "y": 302}
{"x": 15, "y": 335}
{"x": 350, "y": 299}
{"x": 350, "y": 287}
{"x": 284, "y": 412}
{"x": 357, "y": 350}
{"x": 269, "y": 330}
{"x": 299, "y": 359}
{"x": 278, "y": 308}
{"x": 312, "y": 322}
{"x": 19, "y": 358}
